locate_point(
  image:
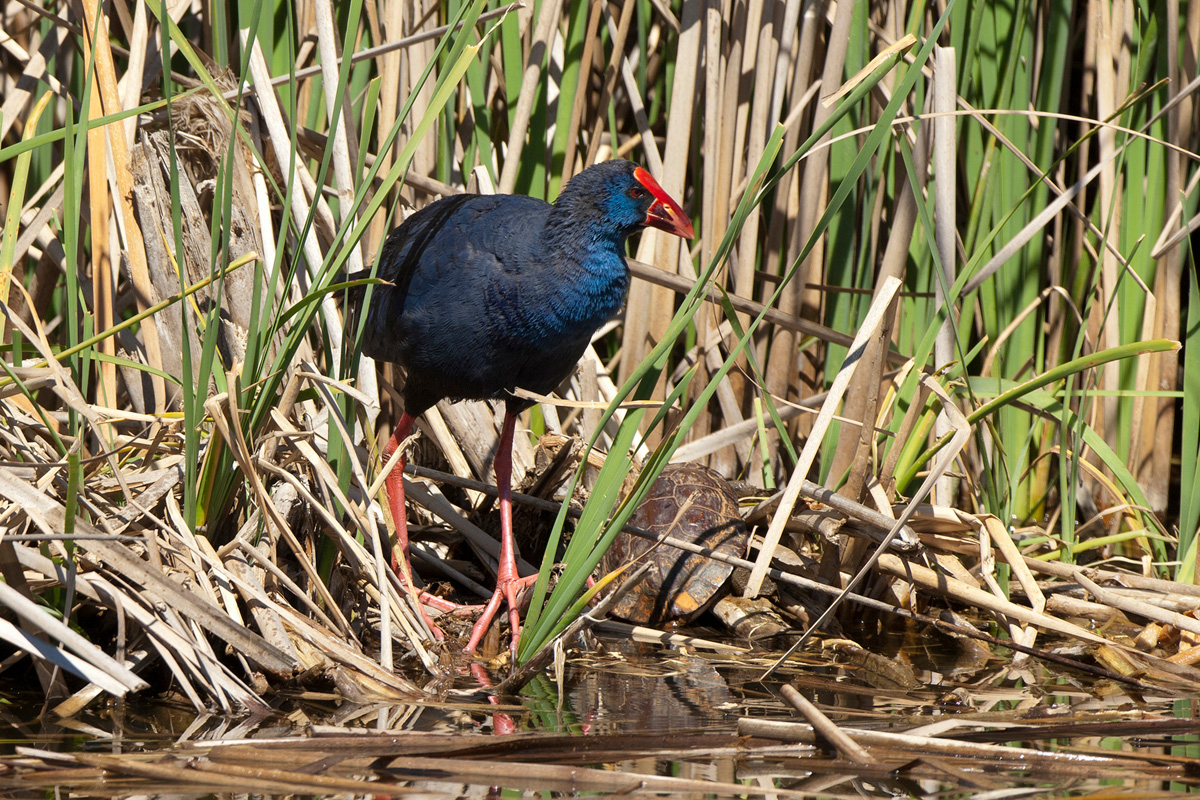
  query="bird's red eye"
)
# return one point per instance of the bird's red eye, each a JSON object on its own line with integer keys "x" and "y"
{"x": 637, "y": 192}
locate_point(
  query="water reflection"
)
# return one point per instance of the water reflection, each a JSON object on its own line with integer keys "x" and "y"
{"x": 640, "y": 687}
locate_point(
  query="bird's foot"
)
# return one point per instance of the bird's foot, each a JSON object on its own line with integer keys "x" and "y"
{"x": 448, "y": 606}
{"x": 424, "y": 599}
{"x": 427, "y": 600}
{"x": 510, "y": 591}
{"x": 507, "y": 591}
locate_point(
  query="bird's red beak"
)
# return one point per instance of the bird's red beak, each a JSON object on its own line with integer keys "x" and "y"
{"x": 665, "y": 214}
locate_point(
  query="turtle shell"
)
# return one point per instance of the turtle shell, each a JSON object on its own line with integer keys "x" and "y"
{"x": 692, "y": 503}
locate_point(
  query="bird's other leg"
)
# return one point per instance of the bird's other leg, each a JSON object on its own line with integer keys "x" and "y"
{"x": 508, "y": 583}
{"x": 401, "y": 563}
{"x": 395, "y": 493}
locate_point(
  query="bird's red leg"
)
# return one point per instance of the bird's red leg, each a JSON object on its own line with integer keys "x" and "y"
{"x": 508, "y": 583}
{"x": 395, "y": 492}
{"x": 401, "y": 563}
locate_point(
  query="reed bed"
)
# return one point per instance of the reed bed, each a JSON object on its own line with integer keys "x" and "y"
{"x": 943, "y": 270}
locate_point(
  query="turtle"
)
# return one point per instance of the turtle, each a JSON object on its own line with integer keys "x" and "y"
{"x": 689, "y": 502}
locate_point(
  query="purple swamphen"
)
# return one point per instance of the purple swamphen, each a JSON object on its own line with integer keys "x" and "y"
{"x": 486, "y": 294}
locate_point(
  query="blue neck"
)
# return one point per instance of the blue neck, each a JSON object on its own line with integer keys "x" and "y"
{"x": 594, "y": 284}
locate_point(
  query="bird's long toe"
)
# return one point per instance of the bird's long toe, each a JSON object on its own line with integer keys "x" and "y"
{"x": 424, "y": 599}
{"x": 514, "y": 616}
{"x": 485, "y": 620}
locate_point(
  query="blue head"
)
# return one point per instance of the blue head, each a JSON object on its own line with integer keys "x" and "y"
{"x": 585, "y": 234}
{"x": 616, "y": 198}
